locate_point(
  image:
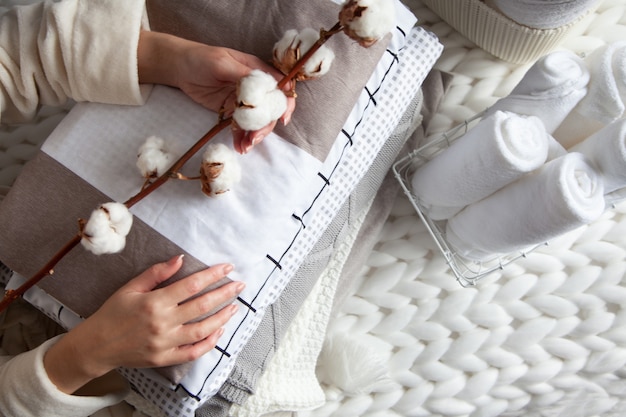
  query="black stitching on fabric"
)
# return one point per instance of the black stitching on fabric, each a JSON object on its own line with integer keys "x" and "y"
{"x": 394, "y": 55}
{"x": 278, "y": 265}
{"x": 346, "y": 134}
{"x": 189, "y": 394}
{"x": 241, "y": 300}
{"x": 59, "y": 313}
{"x": 222, "y": 351}
{"x": 220, "y": 359}
{"x": 299, "y": 219}
{"x": 401, "y": 31}
{"x": 315, "y": 199}
{"x": 324, "y": 178}
{"x": 372, "y": 99}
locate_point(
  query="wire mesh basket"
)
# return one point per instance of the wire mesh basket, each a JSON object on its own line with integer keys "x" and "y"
{"x": 467, "y": 272}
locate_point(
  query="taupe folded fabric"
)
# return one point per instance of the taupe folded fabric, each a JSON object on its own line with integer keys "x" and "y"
{"x": 254, "y": 27}
{"x": 48, "y": 190}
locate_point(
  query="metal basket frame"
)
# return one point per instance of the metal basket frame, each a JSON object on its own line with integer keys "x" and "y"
{"x": 467, "y": 272}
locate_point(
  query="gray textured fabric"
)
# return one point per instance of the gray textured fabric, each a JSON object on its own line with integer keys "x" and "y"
{"x": 433, "y": 89}
{"x": 38, "y": 217}
{"x": 379, "y": 181}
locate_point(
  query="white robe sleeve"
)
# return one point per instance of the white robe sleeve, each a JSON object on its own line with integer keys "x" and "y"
{"x": 28, "y": 392}
{"x": 73, "y": 49}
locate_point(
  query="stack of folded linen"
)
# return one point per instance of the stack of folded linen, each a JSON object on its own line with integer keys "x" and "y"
{"x": 495, "y": 204}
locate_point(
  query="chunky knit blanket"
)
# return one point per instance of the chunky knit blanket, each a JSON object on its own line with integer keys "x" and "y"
{"x": 545, "y": 336}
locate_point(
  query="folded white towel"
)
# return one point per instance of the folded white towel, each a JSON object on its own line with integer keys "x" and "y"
{"x": 606, "y": 150}
{"x": 550, "y": 89}
{"x": 562, "y": 195}
{"x": 543, "y": 14}
{"x": 606, "y": 99}
{"x": 575, "y": 128}
{"x": 495, "y": 152}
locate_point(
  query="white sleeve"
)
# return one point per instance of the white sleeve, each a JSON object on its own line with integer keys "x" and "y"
{"x": 80, "y": 49}
{"x": 28, "y": 392}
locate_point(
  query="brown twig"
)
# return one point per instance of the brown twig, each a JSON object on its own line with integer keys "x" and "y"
{"x": 48, "y": 269}
{"x": 172, "y": 172}
{"x": 324, "y": 36}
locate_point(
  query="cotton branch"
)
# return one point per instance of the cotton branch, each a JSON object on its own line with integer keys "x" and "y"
{"x": 353, "y": 10}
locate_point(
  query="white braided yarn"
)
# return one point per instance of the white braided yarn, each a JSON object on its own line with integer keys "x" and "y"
{"x": 546, "y": 336}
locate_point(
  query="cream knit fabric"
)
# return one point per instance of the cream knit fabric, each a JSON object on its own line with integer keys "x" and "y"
{"x": 290, "y": 382}
{"x": 78, "y": 49}
{"x": 27, "y": 390}
{"x": 49, "y": 53}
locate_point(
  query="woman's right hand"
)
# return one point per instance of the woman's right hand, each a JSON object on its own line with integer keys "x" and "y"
{"x": 140, "y": 326}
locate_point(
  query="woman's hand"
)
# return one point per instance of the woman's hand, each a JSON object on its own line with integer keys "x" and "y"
{"x": 207, "y": 74}
{"x": 140, "y": 326}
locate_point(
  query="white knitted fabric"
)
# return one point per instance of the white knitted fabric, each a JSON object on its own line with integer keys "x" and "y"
{"x": 289, "y": 382}
{"x": 546, "y": 336}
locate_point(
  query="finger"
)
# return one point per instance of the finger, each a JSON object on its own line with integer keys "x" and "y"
{"x": 208, "y": 302}
{"x": 291, "y": 107}
{"x": 240, "y": 137}
{"x": 194, "y": 332}
{"x": 156, "y": 274}
{"x": 240, "y": 66}
{"x": 255, "y": 137}
{"x": 228, "y": 107}
{"x": 193, "y": 351}
{"x": 193, "y": 284}
{"x": 253, "y": 62}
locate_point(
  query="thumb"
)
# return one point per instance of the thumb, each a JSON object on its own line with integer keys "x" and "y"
{"x": 156, "y": 274}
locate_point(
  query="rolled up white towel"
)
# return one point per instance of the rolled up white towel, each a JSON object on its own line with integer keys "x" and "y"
{"x": 495, "y": 152}
{"x": 605, "y": 101}
{"x": 550, "y": 89}
{"x": 562, "y": 195}
{"x": 606, "y": 98}
{"x": 543, "y": 14}
{"x": 606, "y": 149}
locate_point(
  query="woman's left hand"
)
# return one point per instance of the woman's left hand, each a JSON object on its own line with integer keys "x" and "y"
{"x": 207, "y": 74}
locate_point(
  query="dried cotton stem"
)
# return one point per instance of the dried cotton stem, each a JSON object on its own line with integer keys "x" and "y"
{"x": 48, "y": 268}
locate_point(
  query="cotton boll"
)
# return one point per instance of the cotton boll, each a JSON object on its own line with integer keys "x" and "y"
{"x": 259, "y": 102}
{"x": 287, "y": 51}
{"x": 106, "y": 229}
{"x": 120, "y": 217}
{"x": 367, "y": 21}
{"x": 293, "y": 45}
{"x": 220, "y": 169}
{"x": 153, "y": 159}
{"x": 320, "y": 63}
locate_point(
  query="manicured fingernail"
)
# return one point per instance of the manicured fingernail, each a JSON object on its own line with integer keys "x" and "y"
{"x": 175, "y": 259}
{"x": 232, "y": 309}
{"x": 240, "y": 286}
{"x": 286, "y": 119}
{"x": 257, "y": 139}
{"x": 228, "y": 268}
{"x": 220, "y": 332}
